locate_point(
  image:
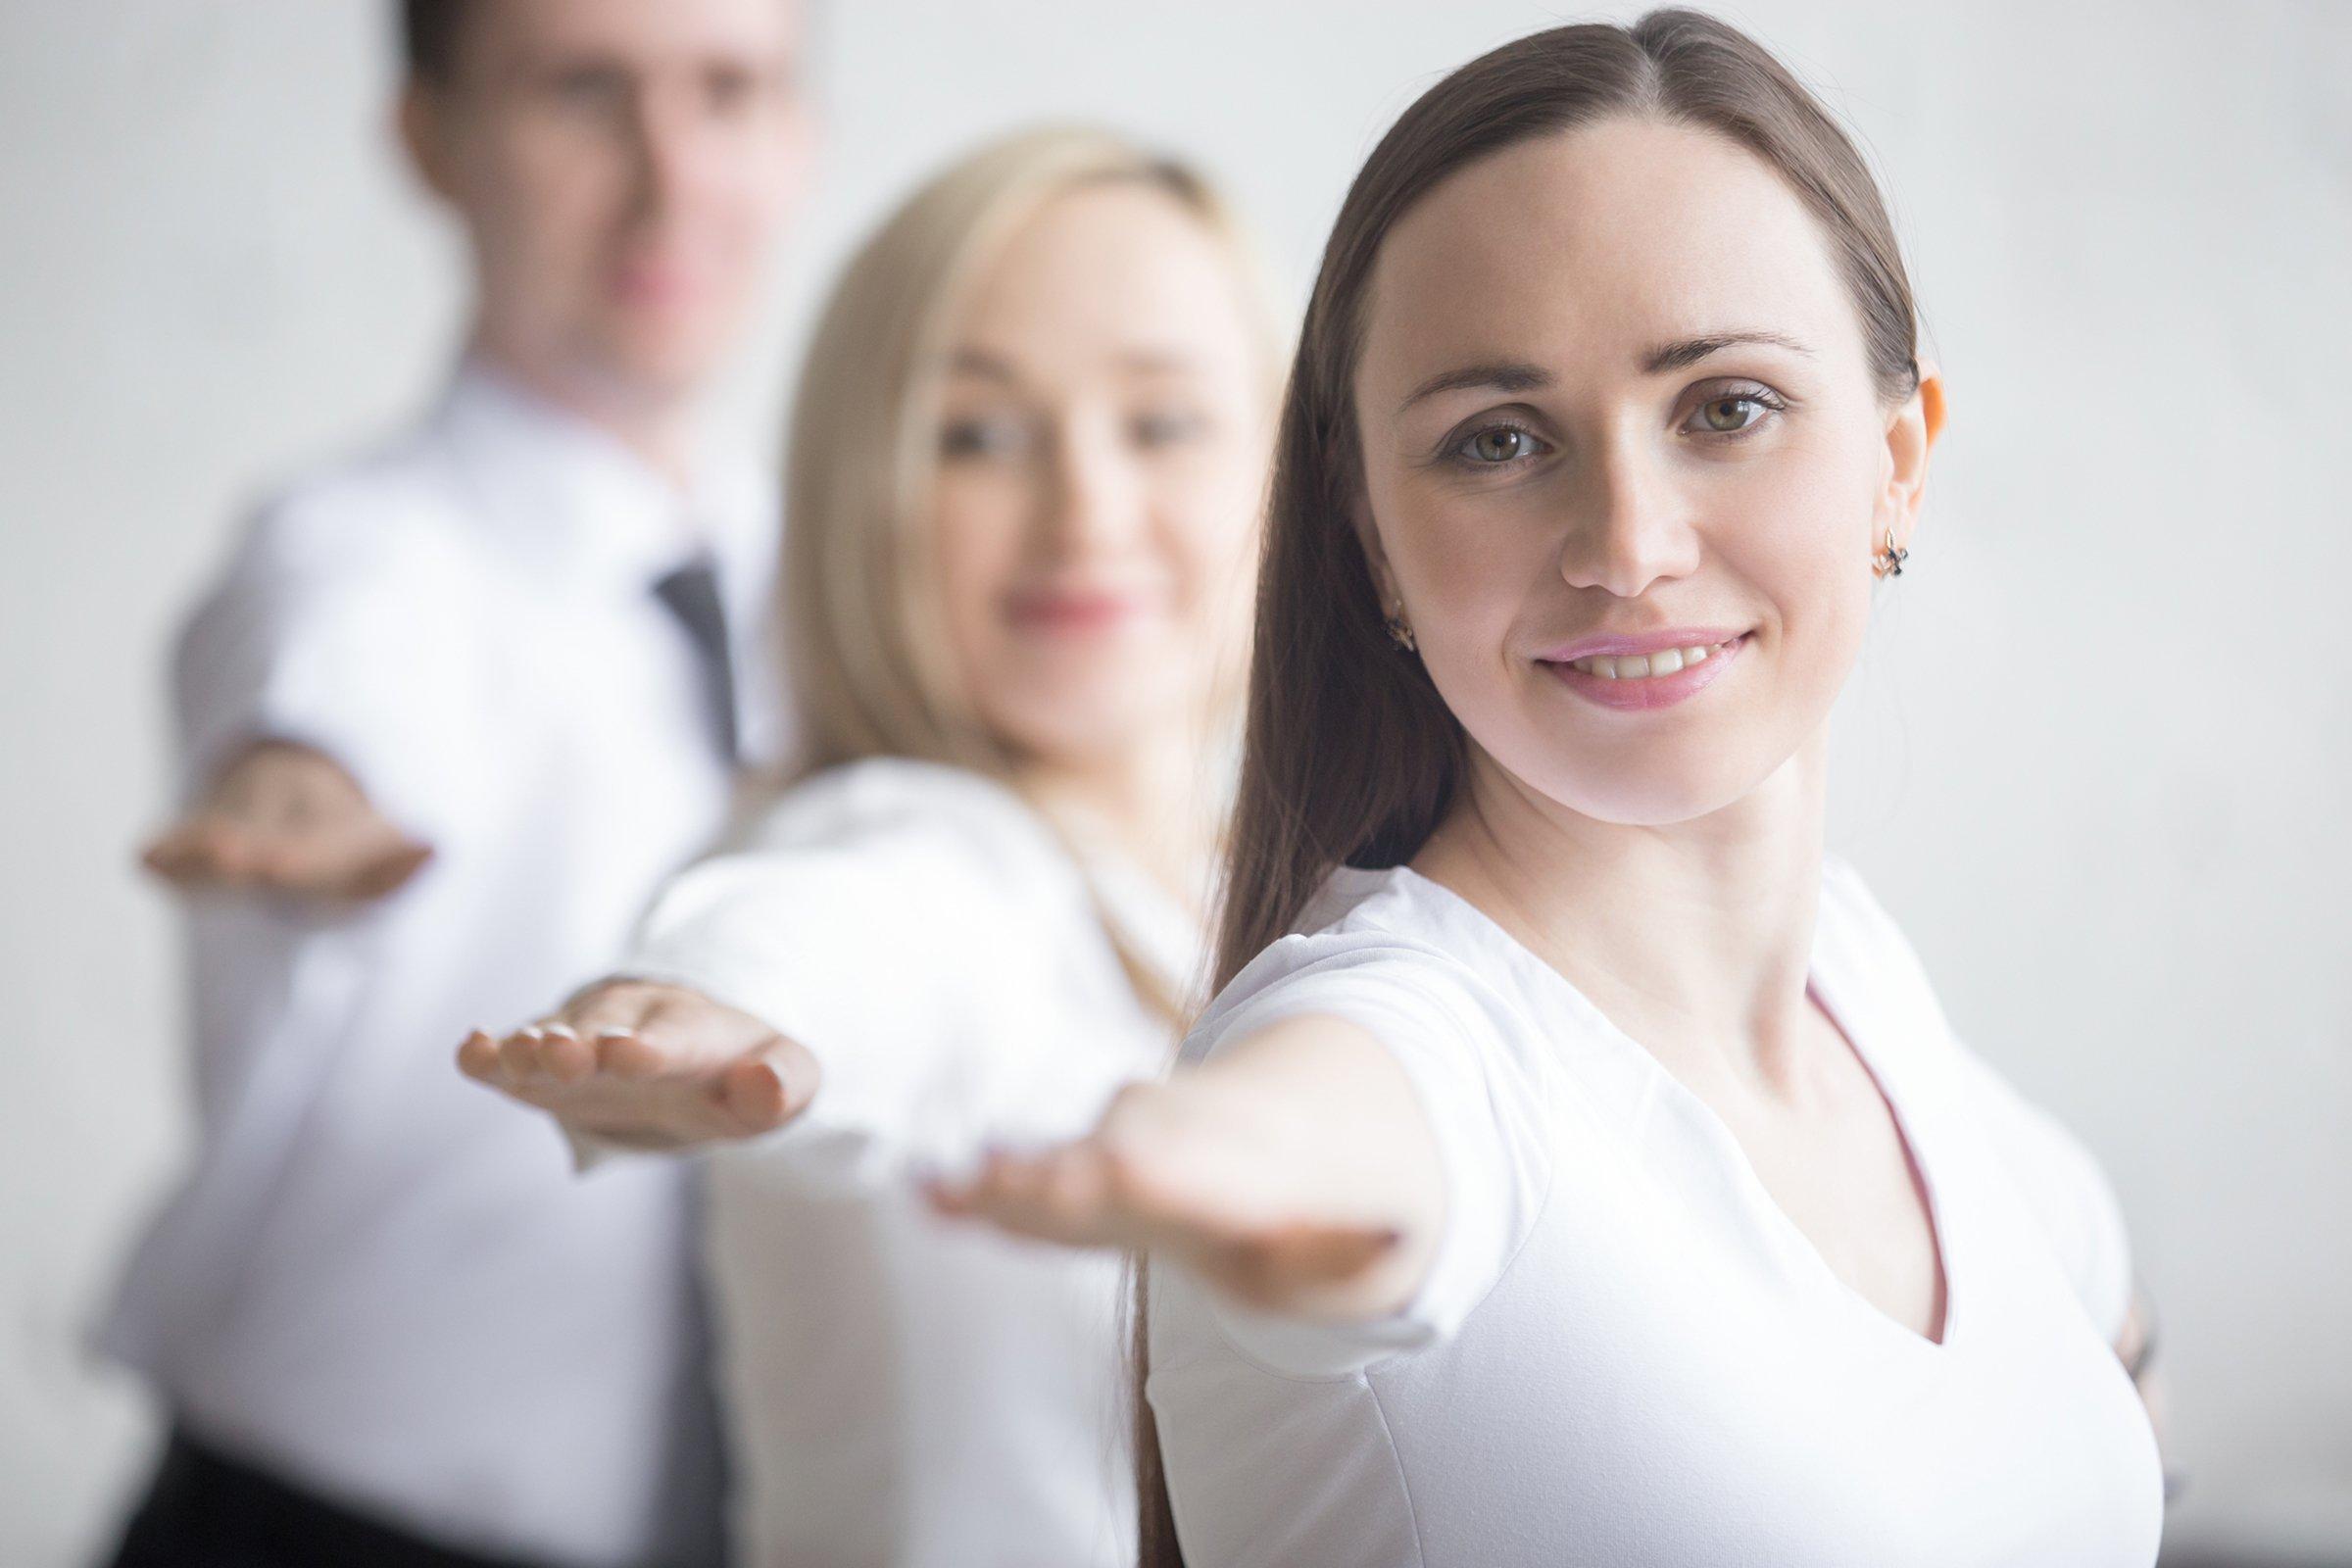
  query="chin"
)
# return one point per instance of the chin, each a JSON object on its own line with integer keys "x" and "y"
{"x": 1094, "y": 730}
{"x": 663, "y": 366}
{"x": 1650, "y": 787}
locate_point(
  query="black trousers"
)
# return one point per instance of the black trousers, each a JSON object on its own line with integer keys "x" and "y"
{"x": 206, "y": 1509}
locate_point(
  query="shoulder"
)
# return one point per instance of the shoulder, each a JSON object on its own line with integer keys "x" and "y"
{"x": 381, "y": 520}
{"x": 1381, "y": 950}
{"x": 946, "y": 820}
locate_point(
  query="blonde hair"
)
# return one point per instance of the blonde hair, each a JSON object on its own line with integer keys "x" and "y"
{"x": 865, "y": 650}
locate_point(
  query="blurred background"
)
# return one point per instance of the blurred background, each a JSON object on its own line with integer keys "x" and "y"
{"x": 2094, "y": 761}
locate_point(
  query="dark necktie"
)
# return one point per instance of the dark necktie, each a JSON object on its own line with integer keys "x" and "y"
{"x": 692, "y": 594}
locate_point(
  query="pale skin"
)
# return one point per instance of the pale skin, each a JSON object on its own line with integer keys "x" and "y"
{"x": 620, "y": 172}
{"x": 1100, "y": 443}
{"x": 1536, "y": 469}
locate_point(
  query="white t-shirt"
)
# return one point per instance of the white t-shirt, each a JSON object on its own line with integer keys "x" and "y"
{"x": 905, "y": 1390}
{"x": 1625, "y": 1353}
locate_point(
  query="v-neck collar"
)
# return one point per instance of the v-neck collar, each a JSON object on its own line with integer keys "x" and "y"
{"x": 1856, "y": 1022}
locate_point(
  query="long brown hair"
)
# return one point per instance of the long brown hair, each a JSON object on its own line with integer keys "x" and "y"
{"x": 1349, "y": 756}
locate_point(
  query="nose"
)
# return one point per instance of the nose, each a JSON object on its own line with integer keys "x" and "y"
{"x": 1628, "y": 526}
{"x": 1093, "y": 500}
{"x": 669, "y": 139}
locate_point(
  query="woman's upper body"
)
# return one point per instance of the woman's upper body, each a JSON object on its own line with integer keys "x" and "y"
{"x": 901, "y": 1390}
{"x": 1608, "y": 422}
{"x": 1623, "y": 1349}
{"x": 1022, "y": 491}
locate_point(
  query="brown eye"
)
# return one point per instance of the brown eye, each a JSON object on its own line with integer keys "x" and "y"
{"x": 982, "y": 438}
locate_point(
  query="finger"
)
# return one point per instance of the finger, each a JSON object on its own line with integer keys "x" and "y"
{"x": 478, "y": 1056}
{"x": 205, "y": 853}
{"x": 769, "y": 1086}
{"x": 752, "y": 1093}
{"x": 947, "y": 1195}
{"x": 519, "y": 1056}
{"x": 626, "y": 1055}
{"x": 387, "y": 870}
{"x": 172, "y": 853}
{"x": 563, "y": 1055}
{"x": 609, "y": 1005}
{"x": 1055, "y": 1196}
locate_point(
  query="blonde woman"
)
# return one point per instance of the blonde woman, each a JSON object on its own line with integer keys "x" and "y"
{"x": 1024, "y": 481}
{"x": 1575, "y": 1165}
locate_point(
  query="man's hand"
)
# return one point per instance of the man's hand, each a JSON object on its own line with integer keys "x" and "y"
{"x": 285, "y": 819}
{"x": 649, "y": 1066}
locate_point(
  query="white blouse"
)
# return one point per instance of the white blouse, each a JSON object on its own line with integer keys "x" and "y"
{"x": 905, "y": 1390}
{"x": 1625, "y": 1351}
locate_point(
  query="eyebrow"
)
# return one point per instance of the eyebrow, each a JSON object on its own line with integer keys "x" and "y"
{"x": 1499, "y": 375}
{"x": 1519, "y": 375}
{"x": 1145, "y": 361}
{"x": 972, "y": 362}
{"x": 1691, "y": 350}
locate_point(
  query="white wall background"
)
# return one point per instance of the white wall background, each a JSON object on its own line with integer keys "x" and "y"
{"x": 2094, "y": 760}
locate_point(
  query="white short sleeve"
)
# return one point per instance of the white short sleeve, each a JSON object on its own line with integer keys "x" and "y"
{"x": 919, "y": 932}
{"x": 2066, "y": 1189}
{"x": 1450, "y": 1036}
{"x": 343, "y": 623}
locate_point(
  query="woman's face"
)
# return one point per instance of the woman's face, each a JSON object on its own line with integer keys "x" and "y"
{"x": 1101, "y": 452}
{"x": 1611, "y": 386}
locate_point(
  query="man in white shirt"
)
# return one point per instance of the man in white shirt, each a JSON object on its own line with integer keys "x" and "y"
{"x": 452, "y": 712}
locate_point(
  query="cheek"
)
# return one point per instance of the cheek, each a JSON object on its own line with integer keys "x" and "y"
{"x": 1799, "y": 530}
{"x": 551, "y": 200}
{"x": 1467, "y": 570}
{"x": 976, "y": 519}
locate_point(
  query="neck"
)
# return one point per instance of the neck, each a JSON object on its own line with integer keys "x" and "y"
{"x": 1152, "y": 800}
{"x": 1695, "y": 937}
{"x": 655, "y": 424}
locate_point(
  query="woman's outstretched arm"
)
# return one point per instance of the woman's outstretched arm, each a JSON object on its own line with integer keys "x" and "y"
{"x": 1295, "y": 1170}
{"x": 642, "y": 1065}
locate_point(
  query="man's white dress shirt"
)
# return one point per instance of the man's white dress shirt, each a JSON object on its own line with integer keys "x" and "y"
{"x": 378, "y": 1279}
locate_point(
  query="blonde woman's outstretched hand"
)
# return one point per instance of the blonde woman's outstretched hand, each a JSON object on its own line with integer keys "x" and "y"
{"x": 642, "y": 1065}
{"x": 1297, "y": 1177}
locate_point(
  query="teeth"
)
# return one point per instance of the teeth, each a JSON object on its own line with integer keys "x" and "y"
{"x": 1636, "y": 666}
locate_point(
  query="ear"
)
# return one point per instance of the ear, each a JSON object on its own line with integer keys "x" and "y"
{"x": 1910, "y": 436}
{"x": 422, "y": 123}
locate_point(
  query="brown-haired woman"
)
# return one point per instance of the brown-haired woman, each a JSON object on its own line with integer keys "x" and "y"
{"x": 1575, "y": 1165}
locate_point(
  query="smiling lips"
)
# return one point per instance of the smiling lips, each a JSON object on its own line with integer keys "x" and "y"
{"x": 1655, "y": 670}
{"x": 1074, "y": 611}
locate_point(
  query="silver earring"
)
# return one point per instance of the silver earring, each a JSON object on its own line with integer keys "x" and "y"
{"x": 1400, "y": 632}
{"x": 1889, "y": 563}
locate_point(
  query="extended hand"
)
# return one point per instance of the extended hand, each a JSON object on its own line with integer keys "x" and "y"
{"x": 284, "y": 818}
{"x": 1155, "y": 1175}
{"x": 649, "y": 1066}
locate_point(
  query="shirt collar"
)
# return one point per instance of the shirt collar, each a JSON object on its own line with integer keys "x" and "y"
{"x": 566, "y": 496}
